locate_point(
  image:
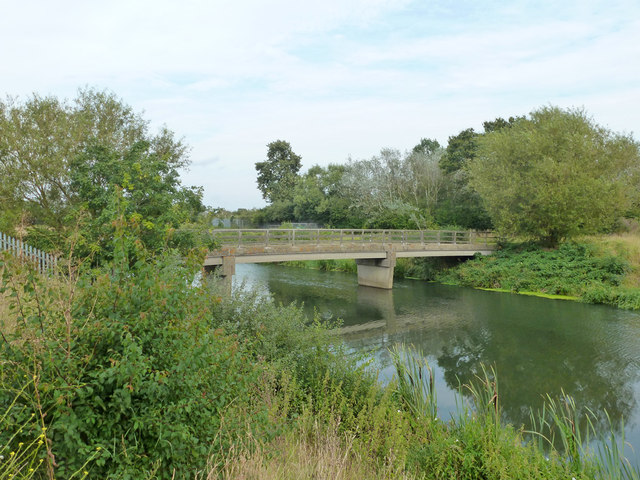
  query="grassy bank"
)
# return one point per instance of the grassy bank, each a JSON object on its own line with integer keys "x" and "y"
{"x": 416, "y": 268}
{"x": 599, "y": 269}
{"x": 131, "y": 371}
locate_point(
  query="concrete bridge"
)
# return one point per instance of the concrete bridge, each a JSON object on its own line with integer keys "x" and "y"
{"x": 375, "y": 251}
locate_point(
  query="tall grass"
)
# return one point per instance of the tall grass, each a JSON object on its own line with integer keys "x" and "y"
{"x": 476, "y": 443}
{"x": 626, "y": 245}
{"x": 561, "y": 427}
{"x": 317, "y": 452}
{"x": 415, "y": 382}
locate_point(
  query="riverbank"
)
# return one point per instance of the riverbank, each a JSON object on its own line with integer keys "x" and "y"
{"x": 596, "y": 269}
{"x": 602, "y": 269}
{"x": 186, "y": 383}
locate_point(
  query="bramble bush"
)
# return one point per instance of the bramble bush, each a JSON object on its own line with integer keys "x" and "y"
{"x": 129, "y": 375}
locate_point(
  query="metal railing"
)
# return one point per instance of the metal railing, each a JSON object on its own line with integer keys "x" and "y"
{"x": 268, "y": 237}
{"x": 42, "y": 261}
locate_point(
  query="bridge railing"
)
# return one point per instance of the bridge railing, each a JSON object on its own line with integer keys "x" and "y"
{"x": 266, "y": 237}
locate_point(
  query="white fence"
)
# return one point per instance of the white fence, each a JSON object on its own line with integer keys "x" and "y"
{"x": 42, "y": 261}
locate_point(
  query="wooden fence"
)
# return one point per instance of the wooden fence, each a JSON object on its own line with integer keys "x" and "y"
{"x": 43, "y": 262}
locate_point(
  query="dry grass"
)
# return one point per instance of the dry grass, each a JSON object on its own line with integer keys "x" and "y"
{"x": 322, "y": 454}
{"x": 626, "y": 245}
{"x": 7, "y": 317}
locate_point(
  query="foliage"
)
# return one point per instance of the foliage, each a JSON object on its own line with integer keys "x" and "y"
{"x": 339, "y": 265}
{"x": 395, "y": 190}
{"x": 42, "y": 136}
{"x": 128, "y": 370}
{"x": 278, "y": 174}
{"x": 555, "y": 175}
{"x": 161, "y": 374}
{"x": 423, "y": 268}
{"x": 415, "y": 383}
{"x": 18, "y": 459}
{"x": 148, "y": 184}
{"x": 573, "y": 269}
{"x": 426, "y": 146}
{"x": 61, "y": 162}
{"x": 460, "y": 149}
{"x": 459, "y": 202}
{"x": 474, "y": 444}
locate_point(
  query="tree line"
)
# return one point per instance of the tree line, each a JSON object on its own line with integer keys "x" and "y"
{"x": 64, "y": 165}
{"x": 547, "y": 176}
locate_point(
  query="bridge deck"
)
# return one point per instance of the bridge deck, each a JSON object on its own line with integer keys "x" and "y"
{"x": 257, "y": 246}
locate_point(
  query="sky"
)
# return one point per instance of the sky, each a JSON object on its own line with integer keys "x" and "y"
{"x": 337, "y": 79}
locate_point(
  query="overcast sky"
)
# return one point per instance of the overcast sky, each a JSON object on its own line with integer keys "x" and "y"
{"x": 335, "y": 78}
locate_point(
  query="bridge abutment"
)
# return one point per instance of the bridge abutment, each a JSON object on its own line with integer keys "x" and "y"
{"x": 376, "y": 272}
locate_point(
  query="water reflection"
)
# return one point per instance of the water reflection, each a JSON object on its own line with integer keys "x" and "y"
{"x": 537, "y": 346}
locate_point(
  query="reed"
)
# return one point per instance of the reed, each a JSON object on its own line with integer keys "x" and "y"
{"x": 485, "y": 397}
{"x": 610, "y": 458}
{"x": 415, "y": 382}
{"x": 571, "y": 435}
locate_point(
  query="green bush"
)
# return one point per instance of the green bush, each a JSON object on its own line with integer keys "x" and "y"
{"x": 572, "y": 269}
{"x": 128, "y": 370}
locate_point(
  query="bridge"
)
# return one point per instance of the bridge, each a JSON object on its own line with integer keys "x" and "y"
{"x": 375, "y": 251}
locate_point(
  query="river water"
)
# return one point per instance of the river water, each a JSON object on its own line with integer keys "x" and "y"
{"x": 538, "y": 346}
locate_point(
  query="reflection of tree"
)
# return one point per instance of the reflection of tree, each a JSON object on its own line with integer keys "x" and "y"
{"x": 461, "y": 360}
{"x": 330, "y": 294}
{"x": 537, "y": 346}
{"x": 539, "y": 357}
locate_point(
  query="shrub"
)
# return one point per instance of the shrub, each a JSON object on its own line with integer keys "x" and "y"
{"x": 127, "y": 369}
{"x": 571, "y": 269}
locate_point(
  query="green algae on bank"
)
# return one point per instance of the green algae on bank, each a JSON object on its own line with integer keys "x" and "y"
{"x": 533, "y": 294}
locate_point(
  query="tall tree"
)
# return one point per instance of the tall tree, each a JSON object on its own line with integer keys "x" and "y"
{"x": 277, "y": 175}
{"x": 555, "y": 175}
{"x": 41, "y": 137}
{"x": 459, "y": 203}
{"x": 427, "y": 146}
{"x": 149, "y": 187}
{"x": 461, "y": 148}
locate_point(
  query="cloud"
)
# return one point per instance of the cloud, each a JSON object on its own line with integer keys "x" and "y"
{"x": 335, "y": 78}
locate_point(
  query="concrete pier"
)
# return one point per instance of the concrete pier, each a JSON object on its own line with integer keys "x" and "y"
{"x": 376, "y": 272}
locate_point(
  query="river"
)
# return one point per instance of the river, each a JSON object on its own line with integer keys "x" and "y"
{"x": 538, "y": 346}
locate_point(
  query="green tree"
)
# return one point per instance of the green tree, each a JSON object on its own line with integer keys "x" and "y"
{"x": 277, "y": 175}
{"x": 427, "y": 146}
{"x": 42, "y": 137}
{"x": 459, "y": 204}
{"x": 395, "y": 190}
{"x": 555, "y": 175}
{"x": 150, "y": 187}
{"x": 460, "y": 149}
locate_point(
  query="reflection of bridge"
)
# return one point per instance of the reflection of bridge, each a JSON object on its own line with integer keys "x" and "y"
{"x": 375, "y": 251}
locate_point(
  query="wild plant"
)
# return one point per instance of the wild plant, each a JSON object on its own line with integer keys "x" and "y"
{"x": 128, "y": 369}
{"x": 485, "y": 396}
{"x": 415, "y": 382}
{"x": 20, "y": 444}
{"x": 570, "y": 436}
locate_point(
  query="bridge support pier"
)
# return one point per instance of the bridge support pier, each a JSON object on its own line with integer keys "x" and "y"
{"x": 376, "y": 272}
{"x": 226, "y": 271}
